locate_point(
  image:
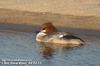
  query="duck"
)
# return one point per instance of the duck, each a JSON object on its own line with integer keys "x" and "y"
{"x": 49, "y": 34}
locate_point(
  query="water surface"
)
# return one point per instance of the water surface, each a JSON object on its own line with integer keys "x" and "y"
{"x": 22, "y": 45}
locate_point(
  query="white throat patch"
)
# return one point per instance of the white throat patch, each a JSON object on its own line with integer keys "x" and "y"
{"x": 40, "y": 35}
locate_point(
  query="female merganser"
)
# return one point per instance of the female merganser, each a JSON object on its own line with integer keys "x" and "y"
{"x": 49, "y": 34}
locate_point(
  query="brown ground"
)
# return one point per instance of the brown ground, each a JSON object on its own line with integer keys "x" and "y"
{"x": 33, "y": 18}
{"x": 73, "y": 7}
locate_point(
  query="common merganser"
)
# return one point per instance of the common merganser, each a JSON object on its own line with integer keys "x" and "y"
{"x": 49, "y": 34}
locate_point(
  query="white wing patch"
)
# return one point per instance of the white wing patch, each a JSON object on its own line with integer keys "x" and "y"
{"x": 60, "y": 36}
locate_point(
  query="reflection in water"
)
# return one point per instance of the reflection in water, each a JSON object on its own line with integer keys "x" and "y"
{"x": 48, "y": 50}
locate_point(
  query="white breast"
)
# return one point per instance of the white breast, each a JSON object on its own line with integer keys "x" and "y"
{"x": 40, "y": 36}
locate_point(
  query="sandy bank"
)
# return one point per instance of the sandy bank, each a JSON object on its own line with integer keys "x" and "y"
{"x": 33, "y": 18}
{"x": 73, "y": 7}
